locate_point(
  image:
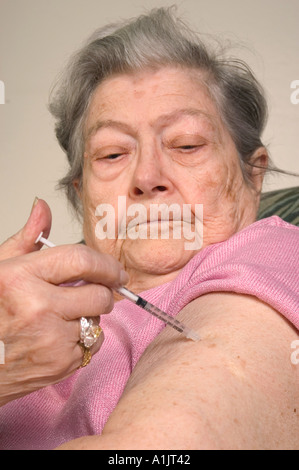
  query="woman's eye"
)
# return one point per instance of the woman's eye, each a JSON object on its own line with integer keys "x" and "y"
{"x": 113, "y": 156}
{"x": 186, "y": 144}
{"x": 189, "y": 148}
{"x": 110, "y": 156}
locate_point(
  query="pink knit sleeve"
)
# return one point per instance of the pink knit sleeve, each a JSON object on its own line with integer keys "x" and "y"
{"x": 261, "y": 260}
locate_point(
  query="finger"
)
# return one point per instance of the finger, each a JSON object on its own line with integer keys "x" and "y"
{"x": 76, "y": 262}
{"x": 23, "y": 242}
{"x": 71, "y": 303}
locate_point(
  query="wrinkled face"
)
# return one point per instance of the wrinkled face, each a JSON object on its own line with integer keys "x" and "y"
{"x": 156, "y": 137}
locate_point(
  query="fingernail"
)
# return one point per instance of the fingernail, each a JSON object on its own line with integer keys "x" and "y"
{"x": 34, "y": 204}
{"x": 124, "y": 277}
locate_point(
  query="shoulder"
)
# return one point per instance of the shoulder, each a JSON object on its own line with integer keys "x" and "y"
{"x": 236, "y": 388}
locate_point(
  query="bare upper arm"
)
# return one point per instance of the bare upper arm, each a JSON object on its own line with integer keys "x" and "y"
{"x": 235, "y": 389}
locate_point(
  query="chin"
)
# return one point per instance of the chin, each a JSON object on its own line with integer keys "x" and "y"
{"x": 155, "y": 256}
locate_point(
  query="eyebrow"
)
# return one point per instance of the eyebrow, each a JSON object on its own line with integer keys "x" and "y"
{"x": 109, "y": 123}
{"x": 170, "y": 118}
{"x": 162, "y": 121}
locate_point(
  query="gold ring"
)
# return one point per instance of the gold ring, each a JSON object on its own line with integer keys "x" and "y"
{"x": 86, "y": 356}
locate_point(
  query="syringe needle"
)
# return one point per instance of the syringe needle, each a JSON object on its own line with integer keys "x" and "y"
{"x": 144, "y": 304}
{"x": 157, "y": 312}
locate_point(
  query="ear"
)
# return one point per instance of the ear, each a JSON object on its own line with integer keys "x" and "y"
{"x": 258, "y": 165}
{"x": 77, "y": 183}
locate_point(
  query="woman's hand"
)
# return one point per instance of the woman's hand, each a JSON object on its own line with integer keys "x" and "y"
{"x": 39, "y": 318}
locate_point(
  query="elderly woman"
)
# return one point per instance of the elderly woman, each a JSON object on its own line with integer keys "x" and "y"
{"x": 145, "y": 112}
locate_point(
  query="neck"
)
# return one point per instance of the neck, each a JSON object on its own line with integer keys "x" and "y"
{"x": 140, "y": 281}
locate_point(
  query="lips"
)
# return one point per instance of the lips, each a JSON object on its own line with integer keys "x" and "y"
{"x": 154, "y": 221}
{"x": 140, "y": 219}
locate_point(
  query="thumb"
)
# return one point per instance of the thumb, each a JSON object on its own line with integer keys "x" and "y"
{"x": 23, "y": 242}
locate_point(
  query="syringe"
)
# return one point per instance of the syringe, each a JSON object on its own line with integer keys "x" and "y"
{"x": 136, "y": 299}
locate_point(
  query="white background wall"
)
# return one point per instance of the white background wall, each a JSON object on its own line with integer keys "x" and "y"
{"x": 37, "y": 37}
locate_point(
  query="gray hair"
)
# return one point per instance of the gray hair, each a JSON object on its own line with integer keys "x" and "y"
{"x": 156, "y": 39}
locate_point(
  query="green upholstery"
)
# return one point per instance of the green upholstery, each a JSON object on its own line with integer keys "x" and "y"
{"x": 282, "y": 202}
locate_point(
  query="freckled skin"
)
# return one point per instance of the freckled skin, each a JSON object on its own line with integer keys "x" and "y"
{"x": 150, "y": 165}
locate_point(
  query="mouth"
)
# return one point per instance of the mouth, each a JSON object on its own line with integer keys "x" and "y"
{"x": 159, "y": 229}
{"x": 150, "y": 219}
{"x": 157, "y": 221}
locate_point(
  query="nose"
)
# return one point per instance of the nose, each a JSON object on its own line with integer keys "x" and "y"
{"x": 151, "y": 176}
